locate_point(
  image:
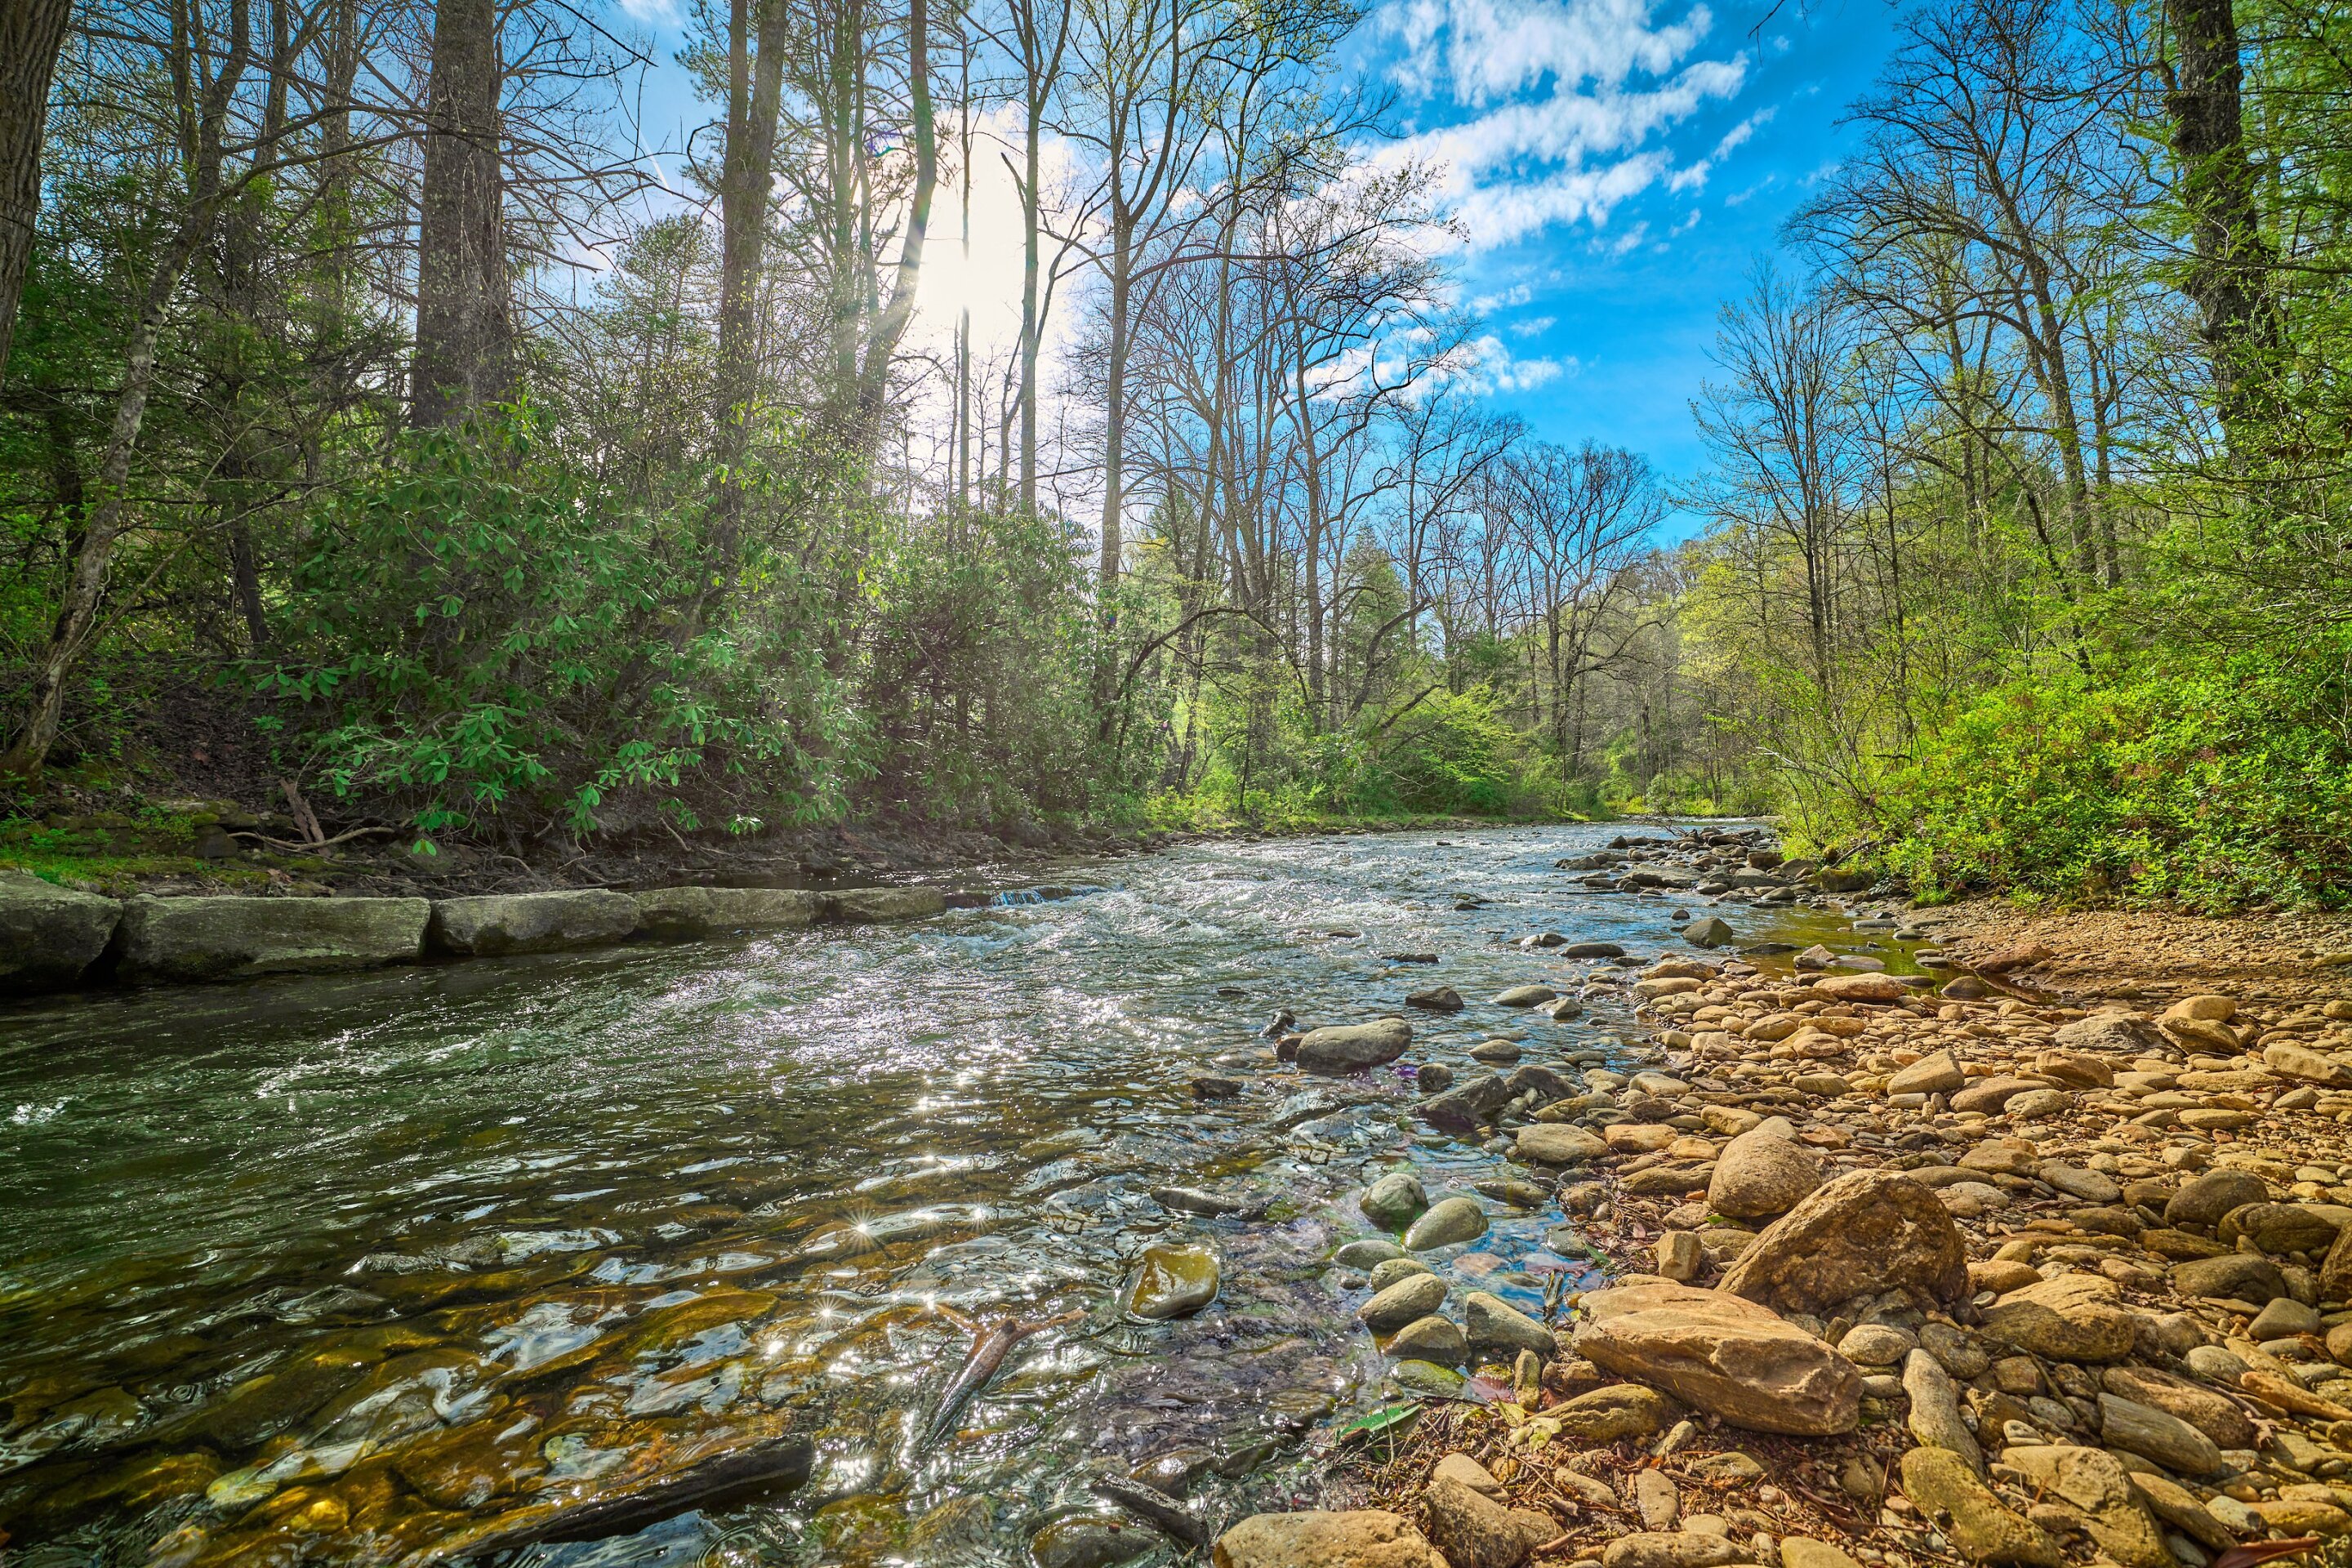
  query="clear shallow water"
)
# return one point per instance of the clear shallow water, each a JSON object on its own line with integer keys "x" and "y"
{"x": 363, "y": 1270}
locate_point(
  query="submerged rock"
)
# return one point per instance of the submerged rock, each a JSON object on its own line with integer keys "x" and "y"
{"x": 1448, "y": 1222}
{"x": 1394, "y": 1201}
{"x": 1352, "y": 1048}
{"x": 1089, "y": 1542}
{"x": 1173, "y": 1282}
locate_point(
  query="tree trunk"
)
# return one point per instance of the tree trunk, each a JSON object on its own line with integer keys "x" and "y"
{"x": 2228, "y": 281}
{"x": 109, "y": 517}
{"x": 1031, "y": 223}
{"x": 465, "y": 326}
{"x": 1115, "y": 405}
{"x": 32, "y": 32}
{"x": 753, "y": 96}
{"x": 882, "y": 348}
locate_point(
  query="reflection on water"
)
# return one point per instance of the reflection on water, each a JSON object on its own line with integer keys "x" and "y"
{"x": 393, "y": 1268}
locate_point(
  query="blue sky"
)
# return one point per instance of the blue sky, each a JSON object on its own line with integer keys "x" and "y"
{"x": 1619, "y": 165}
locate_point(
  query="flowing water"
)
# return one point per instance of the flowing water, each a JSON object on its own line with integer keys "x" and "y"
{"x": 379, "y": 1270}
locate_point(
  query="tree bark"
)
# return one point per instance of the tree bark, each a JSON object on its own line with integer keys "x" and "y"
{"x": 753, "y": 96}
{"x": 2228, "y": 281}
{"x": 882, "y": 348}
{"x": 465, "y": 324}
{"x": 109, "y": 517}
{"x": 1114, "y": 406}
{"x": 32, "y": 32}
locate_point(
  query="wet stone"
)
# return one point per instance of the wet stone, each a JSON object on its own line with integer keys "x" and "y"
{"x": 1449, "y": 1222}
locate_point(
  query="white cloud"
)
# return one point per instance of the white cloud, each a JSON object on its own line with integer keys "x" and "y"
{"x": 652, "y": 13}
{"x": 1560, "y": 103}
{"x": 1487, "y": 304}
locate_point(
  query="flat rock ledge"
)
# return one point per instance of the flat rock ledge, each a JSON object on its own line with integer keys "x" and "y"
{"x": 54, "y": 939}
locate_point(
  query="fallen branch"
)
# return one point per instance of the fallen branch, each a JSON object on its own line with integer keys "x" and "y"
{"x": 319, "y": 844}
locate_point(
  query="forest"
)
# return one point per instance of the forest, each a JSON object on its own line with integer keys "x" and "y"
{"x": 378, "y": 426}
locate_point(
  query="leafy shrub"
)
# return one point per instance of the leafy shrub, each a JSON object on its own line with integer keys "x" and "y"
{"x": 490, "y": 634}
{"x": 2215, "y": 784}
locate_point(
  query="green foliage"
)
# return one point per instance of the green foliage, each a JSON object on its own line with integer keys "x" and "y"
{"x": 2216, "y": 783}
{"x": 979, "y": 649}
{"x": 489, "y": 629}
{"x": 1452, "y": 752}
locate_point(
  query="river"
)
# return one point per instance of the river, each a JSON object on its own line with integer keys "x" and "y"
{"x": 378, "y": 1264}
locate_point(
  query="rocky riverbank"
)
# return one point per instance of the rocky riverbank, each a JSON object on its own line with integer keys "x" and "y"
{"x": 2048, "y": 1262}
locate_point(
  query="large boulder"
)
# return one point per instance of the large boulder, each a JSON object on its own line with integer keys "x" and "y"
{"x": 1495, "y": 1326}
{"x": 1861, "y": 988}
{"x": 1761, "y": 1174}
{"x": 489, "y": 925}
{"x": 184, "y": 940}
{"x": 1352, "y": 1048}
{"x": 2232, "y": 1277}
{"x": 1366, "y": 1538}
{"x": 1981, "y": 1527}
{"x": 865, "y": 906}
{"x": 1475, "y": 1531}
{"x": 2074, "y": 1317}
{"x": 1557, "y": 1144}
{"x": 2096, "y": 1485}
{"x": 1864, "y": 1233}
{"x": 683, "y": 913}
{"x": 2127, "y": 1035}
{"x": 48, "y": 935}
{"x": 1725, "y": 1355}
{"x": 2202, "y": 1200}
{"x": 1464, "y": 1109}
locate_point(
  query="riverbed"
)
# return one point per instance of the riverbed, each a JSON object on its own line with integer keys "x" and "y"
{"x": 368, "y": 1269}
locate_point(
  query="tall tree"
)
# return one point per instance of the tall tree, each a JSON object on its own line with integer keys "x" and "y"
{"x": 31, "y": 34}
{"x": 111, "y": 516}
{"x": 753, "y": 95}
{"x": 2215, "y": 184}
{"x": 465, "y": 314}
